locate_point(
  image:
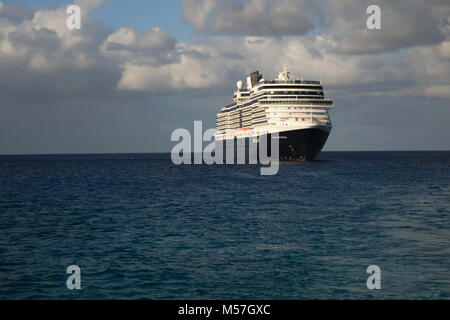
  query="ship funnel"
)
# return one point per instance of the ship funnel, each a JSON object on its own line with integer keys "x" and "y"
{"x": 239, "y": 84}
{"x": 255, "y": 77}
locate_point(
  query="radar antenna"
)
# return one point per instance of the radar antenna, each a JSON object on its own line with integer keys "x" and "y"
{"x": 284, "y": 74}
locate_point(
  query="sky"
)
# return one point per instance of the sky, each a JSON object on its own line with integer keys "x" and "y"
{"x": 137, "y": 70}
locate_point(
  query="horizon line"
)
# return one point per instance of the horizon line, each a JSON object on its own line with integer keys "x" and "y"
{"x": 142, "y": 153}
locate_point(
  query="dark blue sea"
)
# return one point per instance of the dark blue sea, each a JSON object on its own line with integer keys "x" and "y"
{"x": 140, "y": 227}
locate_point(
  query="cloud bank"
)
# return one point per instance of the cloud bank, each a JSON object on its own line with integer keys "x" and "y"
{"x": 253, "y": 17}
{"x": 40, "y": 56}
{"x": 41, "y": 61}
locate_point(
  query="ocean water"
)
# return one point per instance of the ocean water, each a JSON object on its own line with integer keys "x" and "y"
{"x": 140, "y": 227}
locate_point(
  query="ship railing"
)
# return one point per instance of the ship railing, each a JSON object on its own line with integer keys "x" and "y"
{"x": 289, "y": 82}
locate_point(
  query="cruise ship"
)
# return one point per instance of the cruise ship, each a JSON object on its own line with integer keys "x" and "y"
{"x": 296, "y": 109}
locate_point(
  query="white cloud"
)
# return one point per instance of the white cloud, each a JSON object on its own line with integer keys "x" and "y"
{"x": 405, "y": 23}
{"x": 253, "y": 17}
{"x": 47, "y": 61}
{"x": 443, "y": 50}
{"x": 442, "y": 91}
{"x": 190, "y": 71}
{"x": 42, "y": 57}
{"x": 154, "y": 46}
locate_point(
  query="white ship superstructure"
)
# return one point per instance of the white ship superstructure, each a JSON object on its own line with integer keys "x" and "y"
{"x": 280, "y": 105}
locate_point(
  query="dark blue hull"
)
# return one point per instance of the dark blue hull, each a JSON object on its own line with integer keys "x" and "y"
{"x": 295, "y": 145}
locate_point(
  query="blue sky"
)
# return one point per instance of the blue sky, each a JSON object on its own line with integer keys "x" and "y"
{"x": 144, "y": 15}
